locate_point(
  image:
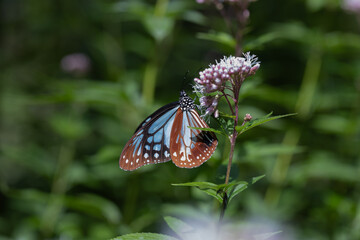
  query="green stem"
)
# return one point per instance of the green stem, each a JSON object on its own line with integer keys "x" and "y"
{"x": 232, "y": 147}
{"x": 227, "y": 100}
{"x": 149, "y": 82}
{"x": 355, "y": 230}
{"x": 309, "y": 84}
{"x": 154, "y": 65}
{"x": 58, "y": 190}
{"x": 235, "y": 133}
{"x": 160, "y": 7}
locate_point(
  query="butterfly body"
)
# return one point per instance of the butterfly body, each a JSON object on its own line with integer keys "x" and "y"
{"x": 166, "y": 135}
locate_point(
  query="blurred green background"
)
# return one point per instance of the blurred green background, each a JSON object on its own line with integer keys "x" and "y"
{"x": 77, "y": 77}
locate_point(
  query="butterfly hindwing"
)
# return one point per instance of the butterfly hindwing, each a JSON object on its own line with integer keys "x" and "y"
{"x": 190, "y": 147}
{"x": 151, "y": 141}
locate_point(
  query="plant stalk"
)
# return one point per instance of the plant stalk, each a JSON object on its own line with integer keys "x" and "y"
{"x": 235, "y": 133}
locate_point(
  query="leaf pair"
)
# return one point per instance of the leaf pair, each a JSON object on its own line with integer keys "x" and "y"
{"x": 219, "y": 191}
{"x": 227, "y": 125}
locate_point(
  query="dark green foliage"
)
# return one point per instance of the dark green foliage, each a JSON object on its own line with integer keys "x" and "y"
{"x": 62, "y": 132}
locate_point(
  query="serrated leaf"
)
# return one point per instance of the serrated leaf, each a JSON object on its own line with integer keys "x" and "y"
{"x": 256, "y": 122}
{"x": 230, "y": 124}
{"x": 208, "y": 130}
{"x": 144, "y": 236}
{"x": 224, "y": 124}
{"x": 177, "y": 225}
{"x": 255, "y": 179}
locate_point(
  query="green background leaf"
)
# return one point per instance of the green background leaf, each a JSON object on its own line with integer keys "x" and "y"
{"x": 144, "y": 236}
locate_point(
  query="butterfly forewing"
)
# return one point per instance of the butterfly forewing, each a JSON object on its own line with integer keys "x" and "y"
{"x": 190, "y": 147}
{"x": 151, "y": 141}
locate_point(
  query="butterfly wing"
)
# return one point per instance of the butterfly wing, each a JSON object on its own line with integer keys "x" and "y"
{"x": 190, "y": 147}
{"x": 151, "y": 141}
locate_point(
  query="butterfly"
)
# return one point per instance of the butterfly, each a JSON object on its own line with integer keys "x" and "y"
{"x": 165, "y": 135}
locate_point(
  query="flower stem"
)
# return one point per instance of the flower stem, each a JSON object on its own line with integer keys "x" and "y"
{"x": 232, "y": 142}
{"x": 227, "y": 99}
{"x": 235, "y": 133}
{"x": 223, "y": 207}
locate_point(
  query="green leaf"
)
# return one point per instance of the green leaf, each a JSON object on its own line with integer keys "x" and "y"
{"x": 178, "y": 226}
{"x": 220, "y": 37}
{"x": 324, "y": 165}
{"x": 213, "y": 193}
{"x": 94, "y": 205}
{"x": 255, "y": 179}
{"x": 214, "y": 190}
{"x": 201, "y": 185}
{"x": 194, "y": 17}
{"x": 69, "y": 127}
{"x": 144, "y": 236}
{"x": 221, "y": 114}
{"x": 226, "y": 123}
{"x": 208, "y": 130}
{"x": 159, "y": 26}
{"x": 256, "y": 122}
{"x": 336, "y": 124}
{"x": 265, "y": 236}
{"x": 207, "y": 187}
{"x": 260, "y": 41}
{"x": 229, "y": 187}
{"x": 238, "y": 189}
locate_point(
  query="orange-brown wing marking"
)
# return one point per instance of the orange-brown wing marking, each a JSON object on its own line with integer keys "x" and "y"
{"x": 190, "y": 147}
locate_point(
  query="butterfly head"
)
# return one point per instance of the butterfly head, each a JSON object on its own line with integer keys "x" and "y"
{"x": 186, "y": 103}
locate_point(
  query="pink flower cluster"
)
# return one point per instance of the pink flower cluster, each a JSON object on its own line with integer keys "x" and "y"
{"x": 217, "y": 77}
{"x": 352, "y": 6}
{"x": 233, "y": 69}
